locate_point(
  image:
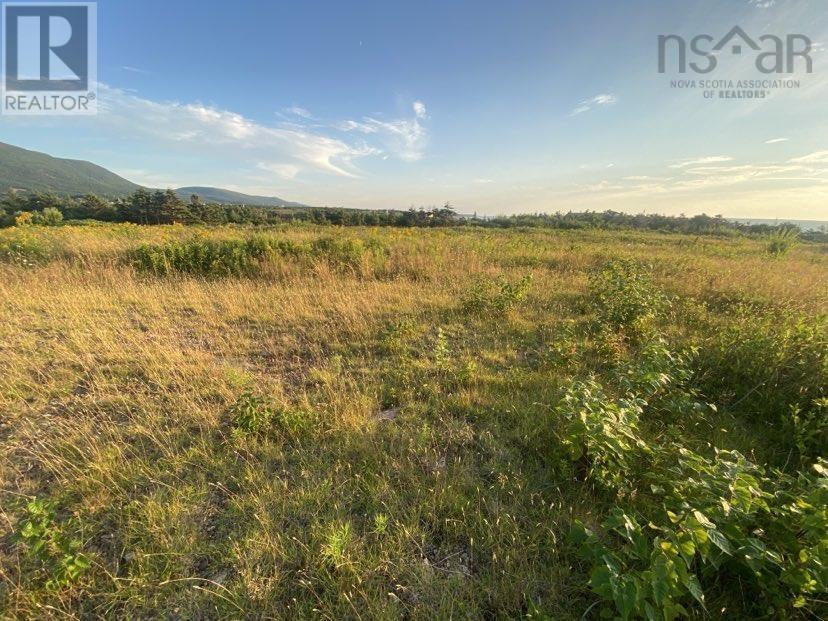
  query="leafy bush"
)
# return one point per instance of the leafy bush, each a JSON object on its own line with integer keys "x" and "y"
{"x": 498, "y": 295}
{"x": 47, "y": 541}
{"x": 625, "y": 297}
{"x": 601, "y": 432}
{"x": 719, "y": 517}
{"x": 710, "y": 518}
{"x": 48, "y": 217}
{"x": 203, "y": 256}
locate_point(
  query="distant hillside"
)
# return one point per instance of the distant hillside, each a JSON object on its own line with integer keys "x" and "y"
{"x": 32, "y": 171}
{"x": 218, "y": 195}
{"x": 37, "y": 172}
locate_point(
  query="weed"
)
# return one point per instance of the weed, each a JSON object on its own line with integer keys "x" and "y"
{"x": 251, "y": 413}
{"x": 47, "y": 541}
{"x": 255, "y": 414}
{"x": 338, "y": 539}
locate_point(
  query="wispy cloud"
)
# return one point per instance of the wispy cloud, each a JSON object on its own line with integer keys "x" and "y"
{"x": 136, "y": 70}
{"x": 287, "y": 151}
{"x": 762, "y": 4}
{"x": 299, "y": 111}
{"x": 711, "y": 159}
{"x": 776, "y": 140}
{"x": 405, "y": 138}
{"x": 604, "y": 99}
{"x": 817, "y": 157}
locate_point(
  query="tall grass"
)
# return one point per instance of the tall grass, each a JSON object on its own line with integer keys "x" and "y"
{"x": 384, "y": 432}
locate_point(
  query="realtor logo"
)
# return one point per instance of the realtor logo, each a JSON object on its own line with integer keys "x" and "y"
{"x": 49, "y": 58}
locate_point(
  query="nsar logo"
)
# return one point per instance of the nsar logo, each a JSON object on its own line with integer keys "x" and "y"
{"x": 772, "y": 54}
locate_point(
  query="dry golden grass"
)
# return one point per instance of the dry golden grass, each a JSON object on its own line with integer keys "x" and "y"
{"x": 115, "y": 387}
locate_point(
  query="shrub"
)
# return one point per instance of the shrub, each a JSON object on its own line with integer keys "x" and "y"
{"x": 48, "y": 217}
{"x": 602, "y": 433}
{"x": 781, "y": 242}
{"x": 24, "y": 218}
{"x": 711, "y": 517}
{"x": 719, "y": 516}
{"x": 625, "y": 297}
{"x": 251, "y": 413}
{"x": 498, "y": 295}
{"x": 204, "y": 257}
{"x": 343, "y": 252}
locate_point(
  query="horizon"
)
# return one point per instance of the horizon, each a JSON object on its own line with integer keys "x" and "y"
{"x": 552, "y": 108}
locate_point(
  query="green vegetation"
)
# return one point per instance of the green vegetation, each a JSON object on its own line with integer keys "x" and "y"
{"x": 167, "y": 207}
{"x": 298, "y": 421}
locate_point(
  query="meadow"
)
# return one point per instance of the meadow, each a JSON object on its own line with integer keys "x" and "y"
{"x": 304, "y": 421}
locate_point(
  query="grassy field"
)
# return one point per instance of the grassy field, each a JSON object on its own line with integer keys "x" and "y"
{"x": 396, "y": 423}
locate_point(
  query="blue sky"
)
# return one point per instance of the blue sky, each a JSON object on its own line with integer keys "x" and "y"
{"x": 496, "y": 107}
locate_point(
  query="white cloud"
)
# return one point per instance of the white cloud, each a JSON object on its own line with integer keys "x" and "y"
{"x": 762, "y": 4}
{"x": 285, "y": 171}
{"x": 776, "y": 140}
{"x": 135, "y": 70}
{"x": 405, "y": 138}
{"x": 299, "y": 111}
{"x": 712, "y": 159}
{"x": 818, "y": 157}
{"x": 288, "y": 150}
{"x": 483, "y": 180}
{"x": 604, "y": 99}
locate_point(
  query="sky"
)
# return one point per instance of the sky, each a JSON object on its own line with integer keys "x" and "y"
{"x": 495, "y": 107}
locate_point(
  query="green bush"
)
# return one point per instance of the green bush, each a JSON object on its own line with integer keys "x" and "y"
{"x": 708, "y": 519}
{"x": 781, "y": 242}
{"x": 625, "y": 297}
{"x": 602, "y": 433}
{"x": 343, "y": 252}
{"x": 496, "y": 296}
{"x": 23, "y": 246}
{"x": 720, "y": 517}
{"x": 48, "y": 217}
{"x": 205, "y": 257}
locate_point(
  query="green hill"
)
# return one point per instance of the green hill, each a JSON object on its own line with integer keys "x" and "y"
{"x": 37, "y": 172}
{"x": 227, "y": 197}
{"x": 32, "y": 171}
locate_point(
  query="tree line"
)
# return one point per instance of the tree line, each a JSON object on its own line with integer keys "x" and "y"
{"x": 165, "y": 207}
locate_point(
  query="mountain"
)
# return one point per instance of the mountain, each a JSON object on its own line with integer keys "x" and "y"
{"x": 218, "y": 195}
{"x": 37, "y": 172}
{"x": 33, "y": 171}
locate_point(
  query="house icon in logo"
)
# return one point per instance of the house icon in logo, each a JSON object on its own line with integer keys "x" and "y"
{"x": 736, "y": 48}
